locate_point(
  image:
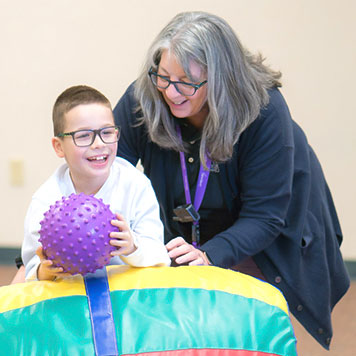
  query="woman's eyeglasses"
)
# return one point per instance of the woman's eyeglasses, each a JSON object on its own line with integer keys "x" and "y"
{"x": 162, "y": 82}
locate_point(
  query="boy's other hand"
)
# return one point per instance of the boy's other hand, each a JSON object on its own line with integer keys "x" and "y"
{"x": 46, "y": 271}
{"x": 123, "y": 240}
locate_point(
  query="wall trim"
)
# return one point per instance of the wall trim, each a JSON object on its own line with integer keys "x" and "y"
{"x": 8, "y": 255}
{"x": 351, "y": 267}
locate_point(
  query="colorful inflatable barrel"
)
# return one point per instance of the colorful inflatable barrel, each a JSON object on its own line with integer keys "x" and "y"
{"x": 161, "y": 311}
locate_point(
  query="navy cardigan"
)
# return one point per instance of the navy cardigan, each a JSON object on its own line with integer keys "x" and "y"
{"x": 281, "y": 209}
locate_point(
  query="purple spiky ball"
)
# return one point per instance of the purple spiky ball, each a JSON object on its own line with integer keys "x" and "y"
{"x": 75, "y": 233}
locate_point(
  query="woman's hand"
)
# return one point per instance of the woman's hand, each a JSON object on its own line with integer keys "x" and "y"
{"x": 183, "y": 253}
{"x": 46, "y": 271}
{"x": 123, "y": 239}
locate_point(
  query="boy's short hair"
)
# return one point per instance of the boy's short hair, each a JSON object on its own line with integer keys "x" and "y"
{"x": 72, "y": 97}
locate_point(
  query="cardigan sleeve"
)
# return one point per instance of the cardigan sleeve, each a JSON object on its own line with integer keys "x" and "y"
{"x": 264, "y": 186}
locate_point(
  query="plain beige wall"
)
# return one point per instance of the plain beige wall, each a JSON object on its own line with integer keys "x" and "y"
{"x": 47, "y": 46}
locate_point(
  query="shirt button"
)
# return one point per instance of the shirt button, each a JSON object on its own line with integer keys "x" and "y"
{"x": 299, "y": 307}
{"x": 320, "y": 331}
{"x": 278, "y": 279}
{"x": 327, "y": 341}
{"x": 190, "y": 159}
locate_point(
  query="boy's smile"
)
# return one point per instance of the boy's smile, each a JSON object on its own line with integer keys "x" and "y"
{"x": 89, "y": 166}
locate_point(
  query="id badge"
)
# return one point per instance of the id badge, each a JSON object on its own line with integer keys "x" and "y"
{"x": 186, "y": 213}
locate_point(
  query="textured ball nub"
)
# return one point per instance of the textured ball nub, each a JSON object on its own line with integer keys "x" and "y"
{"x": 75, "y": 233}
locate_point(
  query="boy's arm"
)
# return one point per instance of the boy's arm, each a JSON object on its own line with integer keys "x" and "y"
{"x": 147, "y": 229}
{"x": 31, "y": 235}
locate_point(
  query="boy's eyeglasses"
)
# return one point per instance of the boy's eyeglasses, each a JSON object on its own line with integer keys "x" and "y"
{"x": 84, "y": 138}
{"x": 162, "y": 82}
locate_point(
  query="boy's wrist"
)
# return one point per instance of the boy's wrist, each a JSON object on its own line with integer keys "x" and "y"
{"x": 134, "y": 241}
{"x": 42, "y": 275}
{"x": 134, "y": 244}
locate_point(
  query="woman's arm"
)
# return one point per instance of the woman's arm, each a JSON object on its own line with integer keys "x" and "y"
{"x": 265, "y": 177}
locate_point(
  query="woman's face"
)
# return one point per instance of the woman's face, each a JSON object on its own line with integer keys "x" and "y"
{"x": 195, "y": 107}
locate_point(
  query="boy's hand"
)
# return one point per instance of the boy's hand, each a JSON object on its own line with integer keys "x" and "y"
{"x": 122, "y": 239}
{"x": 46, "y": 270}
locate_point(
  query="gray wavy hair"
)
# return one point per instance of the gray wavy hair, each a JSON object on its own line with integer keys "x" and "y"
{"x": 237, "y": 83}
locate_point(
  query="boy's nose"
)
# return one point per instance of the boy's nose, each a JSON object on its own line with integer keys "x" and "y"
{"x": 98, "y": 142}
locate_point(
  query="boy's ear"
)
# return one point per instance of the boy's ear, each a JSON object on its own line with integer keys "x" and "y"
{"x": 57, "y": 145}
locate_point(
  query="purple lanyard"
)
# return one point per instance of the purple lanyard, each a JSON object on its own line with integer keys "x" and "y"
{"x": 201, "y": 184}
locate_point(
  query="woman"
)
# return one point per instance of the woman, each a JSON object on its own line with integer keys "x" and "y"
{"x": 237, "y": 182}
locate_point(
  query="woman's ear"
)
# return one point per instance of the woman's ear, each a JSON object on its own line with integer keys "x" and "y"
{"x": 57, "y": 145}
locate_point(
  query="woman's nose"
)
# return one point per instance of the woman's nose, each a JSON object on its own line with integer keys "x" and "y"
{"x": 172, "y": 92}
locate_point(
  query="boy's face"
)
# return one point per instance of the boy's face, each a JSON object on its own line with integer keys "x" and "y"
{"x": 89, "y": 166}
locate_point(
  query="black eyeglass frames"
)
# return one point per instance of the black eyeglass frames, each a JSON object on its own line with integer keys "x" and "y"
{"x": 83, "y": 138}
{"x": 162, "y": 82}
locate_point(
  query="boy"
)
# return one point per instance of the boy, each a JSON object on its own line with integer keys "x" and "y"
{"x": 86, "y": 137}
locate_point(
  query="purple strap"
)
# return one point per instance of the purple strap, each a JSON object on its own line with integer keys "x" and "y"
{"x": 202, "y": 180}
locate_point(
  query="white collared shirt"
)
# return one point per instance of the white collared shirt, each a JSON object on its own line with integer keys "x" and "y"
{"x": 127, "y": 191}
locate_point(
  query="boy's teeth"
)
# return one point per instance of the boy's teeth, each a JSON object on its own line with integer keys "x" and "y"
{"x": 97, "y": 158}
